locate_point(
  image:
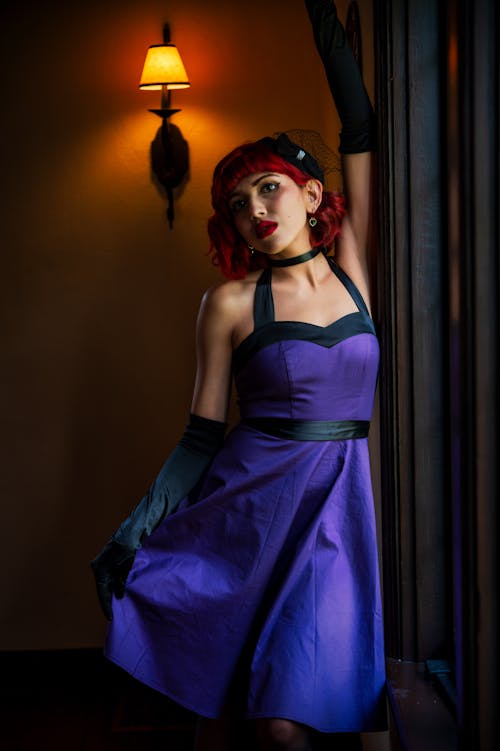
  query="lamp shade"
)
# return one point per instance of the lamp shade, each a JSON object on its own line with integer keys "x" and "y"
{"x": 163, "y": 67}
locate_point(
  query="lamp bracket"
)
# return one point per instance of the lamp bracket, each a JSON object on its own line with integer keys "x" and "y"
{"x": 164, "y": 112}
{"x": 169, "y": 161}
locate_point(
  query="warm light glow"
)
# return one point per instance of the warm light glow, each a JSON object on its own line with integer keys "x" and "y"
{"x": 163, "y": 66}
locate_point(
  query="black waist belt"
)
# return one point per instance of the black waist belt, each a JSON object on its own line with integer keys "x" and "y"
{"x": 309, "y": 430}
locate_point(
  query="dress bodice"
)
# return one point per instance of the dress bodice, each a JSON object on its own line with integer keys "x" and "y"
{"x": 298, "y": 370}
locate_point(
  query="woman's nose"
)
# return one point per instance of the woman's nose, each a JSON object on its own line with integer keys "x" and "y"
{"x": 257, "y": 208}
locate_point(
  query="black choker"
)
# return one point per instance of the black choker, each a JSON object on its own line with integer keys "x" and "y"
{"x": 297, "y": 259}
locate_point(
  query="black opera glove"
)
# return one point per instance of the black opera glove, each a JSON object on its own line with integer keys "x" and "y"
{"x": 356, "y": 114}
{"x": 111, "y": 568}
{"x": 182, "y": 471}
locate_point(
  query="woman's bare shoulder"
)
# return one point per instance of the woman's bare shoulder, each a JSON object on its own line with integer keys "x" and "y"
{"x": 229, "y": 297}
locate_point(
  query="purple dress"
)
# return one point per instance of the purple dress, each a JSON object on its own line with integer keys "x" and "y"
{"x": 263, "y": 588}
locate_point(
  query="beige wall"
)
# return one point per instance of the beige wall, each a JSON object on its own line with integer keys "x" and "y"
{"x": 99, "y": 297}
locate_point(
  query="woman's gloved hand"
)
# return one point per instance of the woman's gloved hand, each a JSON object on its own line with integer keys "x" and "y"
{"x": 356, "y": 114}
{"x": 111, "y": 569}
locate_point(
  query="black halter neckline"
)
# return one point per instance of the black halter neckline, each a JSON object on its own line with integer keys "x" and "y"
{"x": 296, "y": 259}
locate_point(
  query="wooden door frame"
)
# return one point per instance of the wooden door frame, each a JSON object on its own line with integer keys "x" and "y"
{"x": 438, "y": 102}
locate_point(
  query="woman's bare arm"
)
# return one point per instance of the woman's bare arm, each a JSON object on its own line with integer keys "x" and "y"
{"x": 213, "y": 352}
{"x": 352, "y": 245}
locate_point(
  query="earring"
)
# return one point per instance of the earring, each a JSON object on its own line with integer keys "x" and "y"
{"x": 312, "y": 221}
{"x": 251, "y": 248}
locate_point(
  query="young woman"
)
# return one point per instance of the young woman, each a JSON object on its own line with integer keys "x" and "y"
{"x": 259, "y": 597}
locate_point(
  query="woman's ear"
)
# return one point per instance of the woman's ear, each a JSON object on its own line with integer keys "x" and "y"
{"x": 314, "y": 193}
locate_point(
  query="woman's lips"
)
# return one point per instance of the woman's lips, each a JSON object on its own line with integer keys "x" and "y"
{"x": 264, "y": 229}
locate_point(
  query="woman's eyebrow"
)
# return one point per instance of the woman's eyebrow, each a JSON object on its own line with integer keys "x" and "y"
{"x": 255, "y": 182}
{"x": 263, "y": 177}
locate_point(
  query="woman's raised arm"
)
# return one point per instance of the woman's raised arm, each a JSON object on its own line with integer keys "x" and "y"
{"x": 357, "y": 137}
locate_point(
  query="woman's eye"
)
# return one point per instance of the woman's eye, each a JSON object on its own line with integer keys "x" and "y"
{"x": 240, "y": 203}
{"x": 270, "y": 187}
{"x": 237, "y": 205}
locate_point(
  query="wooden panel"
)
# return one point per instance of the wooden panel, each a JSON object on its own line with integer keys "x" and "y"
{"x": 473, "y": 239}
{"x": 386, "y": 305}
{"x": 410, "y": 287}
{"x": 486, "y": 181}
{"x": 426, "y": 250}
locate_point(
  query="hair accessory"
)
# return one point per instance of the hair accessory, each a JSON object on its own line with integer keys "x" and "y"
{"x": 296, "y": 259}
{"x": 294, "y": 154}
{"x": 312, "y": 221}
{"x": 307, "y": 150}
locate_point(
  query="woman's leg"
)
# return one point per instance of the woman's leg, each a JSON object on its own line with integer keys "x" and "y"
{"x": 212, "y": 734}
{"x": 337, "y": 741}
{"x": 282, "y": 735}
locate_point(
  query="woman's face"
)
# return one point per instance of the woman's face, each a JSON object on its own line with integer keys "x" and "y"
{"x": 270, "y": 212}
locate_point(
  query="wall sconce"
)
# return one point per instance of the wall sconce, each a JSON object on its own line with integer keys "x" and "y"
{"x": 164, "y": 69}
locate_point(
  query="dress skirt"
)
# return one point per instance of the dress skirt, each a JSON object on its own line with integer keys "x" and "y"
{"x": 263, "y": 590}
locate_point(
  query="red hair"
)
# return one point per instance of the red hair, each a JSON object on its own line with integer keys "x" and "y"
{"x": 228, "y": 249}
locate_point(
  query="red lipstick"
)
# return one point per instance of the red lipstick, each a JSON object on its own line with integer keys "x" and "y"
{"x": 264, "y": 229}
